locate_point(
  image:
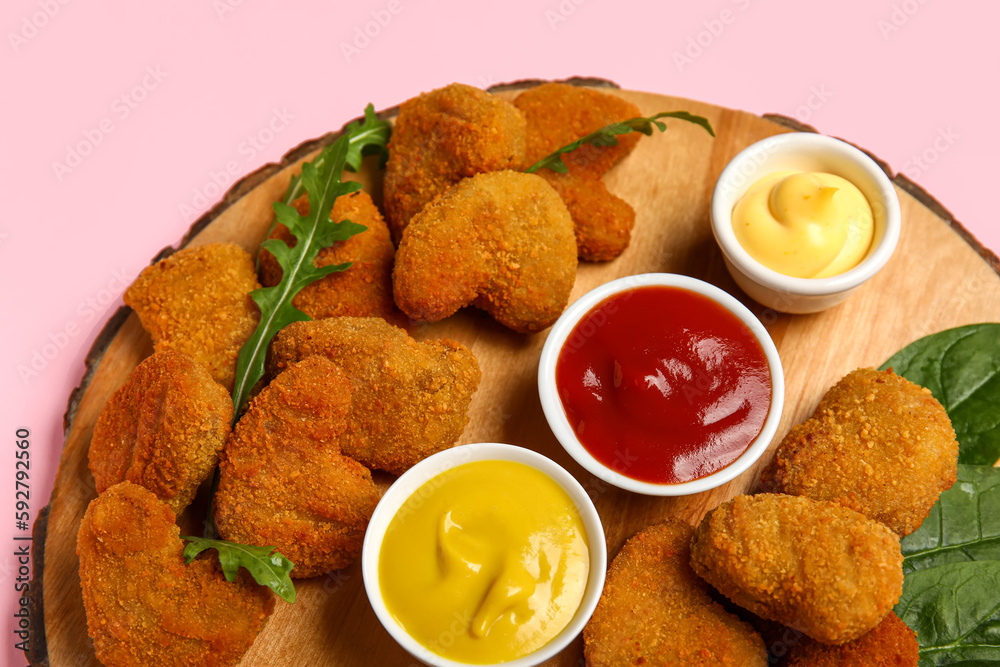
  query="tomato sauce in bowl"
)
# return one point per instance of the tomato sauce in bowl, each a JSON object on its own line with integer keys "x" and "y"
{"x": 661, "y": 384}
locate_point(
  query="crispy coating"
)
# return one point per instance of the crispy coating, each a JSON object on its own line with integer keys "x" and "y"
{"x": 655, "y": 611}
{"x": 444, "y": 136}
{"x": 558, "y": 114}
{"x": 877, "y": 443}
{"x": 163, "y": 429}
{"x": 602, "y": 222}
{"x": 815, "y": 566}
{"x": 410, "y": 399}
{"x": 363, "y": 290}
{"x": 283, "y": 480}
{"x": 890, "y": 644}
{"x": 144, "y": 605}
{"x": 501, "y": 241}
{"x": 197, "y": 302}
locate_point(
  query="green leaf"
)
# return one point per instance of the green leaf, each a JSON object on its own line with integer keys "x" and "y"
{"x": 367, "y": 136}
{"x": 961, "y": 367}
{"x": 963, "y": 526}
{"x": 955, "y": 611}
{"x": 267, "y": 568}
{"x": 313, "y": 232}
{"x": 607, "y": 136}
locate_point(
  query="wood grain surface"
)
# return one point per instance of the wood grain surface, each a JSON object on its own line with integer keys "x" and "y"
{"x": 935, "y": 281}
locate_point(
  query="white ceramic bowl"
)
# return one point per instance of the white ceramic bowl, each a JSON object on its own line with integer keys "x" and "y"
{"x": 807, "y": 152}
{"x": 403, "y": 490}
{"x": 555, "y": 413}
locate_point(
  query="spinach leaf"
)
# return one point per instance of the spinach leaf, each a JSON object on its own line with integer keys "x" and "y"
{"x": 268, "y": 569}
{"x": 961, "y": 367}
{"x": 955, "y": 611}
{"x": 963, "y": 526}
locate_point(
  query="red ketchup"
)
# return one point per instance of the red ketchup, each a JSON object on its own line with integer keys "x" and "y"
{"x": 663, "y": 385}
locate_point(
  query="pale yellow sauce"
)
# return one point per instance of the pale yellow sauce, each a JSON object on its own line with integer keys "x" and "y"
{"x": 486, "y": 562}
{"x": 804, "y": 224}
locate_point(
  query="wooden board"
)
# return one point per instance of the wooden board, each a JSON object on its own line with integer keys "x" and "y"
{"x": 936, "y": 280}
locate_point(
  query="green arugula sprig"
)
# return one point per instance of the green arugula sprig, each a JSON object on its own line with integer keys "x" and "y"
{"x": 608, "y": 136}
{"x": 267, "y": 568}
{"x": 321, "y": 179}
{"x": 368, "y": 136}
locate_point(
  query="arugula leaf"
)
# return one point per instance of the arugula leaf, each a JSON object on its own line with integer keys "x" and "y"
{"x": 955, "y": 612}
{"x": 367, "y": 136}
{"x": 313, "y": 232}
{"x": 963, "y": 526}
{"x": 267, "y": 568}
{"x": 961, "y": 367}
{"x": 607, "y": 136}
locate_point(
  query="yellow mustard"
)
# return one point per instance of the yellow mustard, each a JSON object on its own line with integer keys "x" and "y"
{"x": 486, "y": 562}
{"x": 804, "y": 224}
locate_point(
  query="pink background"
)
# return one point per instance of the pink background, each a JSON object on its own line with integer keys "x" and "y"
{"x": 162, "y": 98}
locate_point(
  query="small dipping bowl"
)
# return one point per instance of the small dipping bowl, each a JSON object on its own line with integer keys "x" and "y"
{"x": 556, "y": 413}
{"x": 402, "y": 493}
{"x": 809, "y": 152}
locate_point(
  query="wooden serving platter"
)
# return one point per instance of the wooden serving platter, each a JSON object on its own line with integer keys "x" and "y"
{"x": 939, "y": 278}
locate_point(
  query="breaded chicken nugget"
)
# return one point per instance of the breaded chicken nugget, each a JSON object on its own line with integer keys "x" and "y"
{"x": 815, "y": 566}
{"x": 655, "y": 611}
{"x": 558, "y": 114}
{"x": 144, "y": 605}
{"x": 409, "y": 399}
{"x": 444, "y": 136}
{"x": 501, "y": 241}
{"x": 283, "y": 480}
{"x": 363, "y": 290}
{"x": 197, "y": 302}
{"x": 891, "y": 644}
{"x": 162, "y": 429}
{"x": 877, "y": 443}
{"x": 602, "y": 222}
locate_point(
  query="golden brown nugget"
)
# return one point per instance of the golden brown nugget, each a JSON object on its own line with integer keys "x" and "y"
{"x": 364, "y": 289}
{"x": 502, "y": 242}
{"x": 444, "y": 136}
{"x": 282, "y": 479}
{"x": 558, "y": 114}
{"x": 409, "y": 399}
{"x": 891, "y": 644}
{"x": 655, "y": 611}
{"x": 144, "y": 605}
{"x": 815, "y": 566}
{"x": 602, "y": 222}
{"x": 197, "y": 302}
{"x": 877, "y": 443}
{"x": 163, "y": 429}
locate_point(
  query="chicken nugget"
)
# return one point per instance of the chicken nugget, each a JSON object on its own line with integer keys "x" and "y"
{"x": 409, "y": 399}
{"x": 890, "y": 644}
{"x": 655, "y": 611}
{"x": 444, "y": 136}
{"x": 282, "y": 478}
{"x": 558, "y": 114}
{"x": 877, "y": 443}
{"x": 197, "y": 302}
{"x": 162, "y": 429}
{"x": 364, "y": 289}
{"x": 144, "y": 605}
{"x": 501, "y": 241}
{"x": 814, "y": 566}
{"x": 602, "y": 222}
